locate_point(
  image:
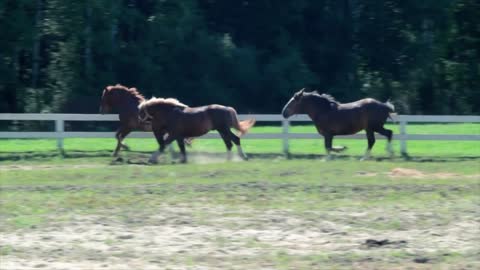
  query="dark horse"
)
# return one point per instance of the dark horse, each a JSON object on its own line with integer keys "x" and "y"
{"x": 179, "y": 121}
{"x": 333, "y": 118}
{"x": 125, "y": 100}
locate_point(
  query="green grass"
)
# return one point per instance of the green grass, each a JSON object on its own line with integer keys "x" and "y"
{"x": 87, "y": 189}
{"x": 9, "y": 147}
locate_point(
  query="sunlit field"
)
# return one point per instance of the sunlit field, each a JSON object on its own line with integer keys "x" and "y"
{"x": 80, "y": 210}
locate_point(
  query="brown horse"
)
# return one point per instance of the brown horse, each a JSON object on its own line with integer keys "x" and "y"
{"x": 333, "y": 118}
{"x": 180, "y": 122}
{"x": 125, "y": 100}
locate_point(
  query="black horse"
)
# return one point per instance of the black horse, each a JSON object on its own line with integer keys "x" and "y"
{"x": 333, "y": 118}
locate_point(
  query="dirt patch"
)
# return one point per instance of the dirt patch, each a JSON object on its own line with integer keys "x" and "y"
{"x": 48, "y": 167}
{"x": 404, "y": 172}
{"x": 413, "y": 173}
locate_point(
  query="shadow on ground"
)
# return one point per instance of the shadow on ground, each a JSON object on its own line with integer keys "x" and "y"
{"x": 135, "y": 155}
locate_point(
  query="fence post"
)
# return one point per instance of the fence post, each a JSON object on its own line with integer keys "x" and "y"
{"x": 59, "y": 128}
{"x": 403, "y": 139}
{"x": 285, "y": 126}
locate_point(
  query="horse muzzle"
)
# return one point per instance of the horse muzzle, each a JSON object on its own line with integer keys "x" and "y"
{"x": 286, "y": 114}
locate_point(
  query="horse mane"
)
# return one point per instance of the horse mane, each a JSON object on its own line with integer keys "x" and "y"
{"x": 328, "y": 97}
{"x": 161, "y": 101}
{"x": 121, "y": 88}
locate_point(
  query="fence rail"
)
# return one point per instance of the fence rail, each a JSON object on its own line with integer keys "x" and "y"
{"x": 285, "y": 135}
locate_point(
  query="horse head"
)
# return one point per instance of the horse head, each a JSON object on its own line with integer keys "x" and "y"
{"x": 293, "y": 106}
{"x": 119, "y": 97}
{"x": 143, "y": 115}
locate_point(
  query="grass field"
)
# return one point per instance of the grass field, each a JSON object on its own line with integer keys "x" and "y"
{"x": 82, "y": 211}
{"x": 16, "y": 149}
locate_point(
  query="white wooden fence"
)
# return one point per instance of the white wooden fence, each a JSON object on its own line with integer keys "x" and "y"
{"x": 285, "y": 135}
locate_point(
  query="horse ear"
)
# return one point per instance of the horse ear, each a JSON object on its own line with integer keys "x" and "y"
{"x": 299, "y": 93}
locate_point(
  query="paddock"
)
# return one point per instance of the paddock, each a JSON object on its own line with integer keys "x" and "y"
{"x": 76, "y": 209}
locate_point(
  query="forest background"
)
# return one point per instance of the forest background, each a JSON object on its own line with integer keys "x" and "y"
{"x": 57, "y": 55}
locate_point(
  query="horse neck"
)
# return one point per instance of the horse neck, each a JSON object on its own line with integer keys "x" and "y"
{"x": 314, "y": 107}
{"x": 128, "y": 102}
{"x": 159, "y": 111}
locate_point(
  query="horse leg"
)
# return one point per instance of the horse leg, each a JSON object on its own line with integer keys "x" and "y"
{"x": 328, "y": 139}
{"x": 170, "y": 147}
{"x": 228, "y": 143}
{"x": 371, "y": 142}
{"x": 387, "y": 133}
{"x": 119, "y": 137}
{"x": 115, "y": 152}
{"x": 236, "y": 140}
{"x": 124, "y": 134}
{"x": 181, "y": 145}
{"x": 161, "y": 142}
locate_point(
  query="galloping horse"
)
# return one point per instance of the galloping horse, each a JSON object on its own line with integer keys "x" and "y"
{"x": 125, "y": 100}
{"x": 333, "y": 118}
{"x": 180, "y": 122}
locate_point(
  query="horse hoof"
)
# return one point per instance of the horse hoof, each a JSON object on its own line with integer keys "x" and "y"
{"x": 339, "y": 149}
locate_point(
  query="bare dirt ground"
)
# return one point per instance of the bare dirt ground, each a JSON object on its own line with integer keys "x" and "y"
{"x": 176, "y": 239}
{"x": 413, "y": 173}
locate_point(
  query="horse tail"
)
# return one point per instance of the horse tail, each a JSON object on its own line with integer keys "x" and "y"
{"x": 242, "y": 126}
{"x": 390, "y": 106}
{"x": 391, "y": 109}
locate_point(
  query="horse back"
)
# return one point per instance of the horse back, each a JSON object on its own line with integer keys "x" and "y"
{"x": 196, "y": 121}
{"x": 371, "y": 111}
{"x": 350, "y": 118}
{"x": 221, "y": 116}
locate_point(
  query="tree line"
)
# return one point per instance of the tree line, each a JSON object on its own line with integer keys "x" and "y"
{"x": 57, "y": 56}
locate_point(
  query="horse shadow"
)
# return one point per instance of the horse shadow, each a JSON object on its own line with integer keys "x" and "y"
{"x": 140, "y": 157}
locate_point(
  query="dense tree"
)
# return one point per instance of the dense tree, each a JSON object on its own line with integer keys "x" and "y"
{"x": 56, "y": 56}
